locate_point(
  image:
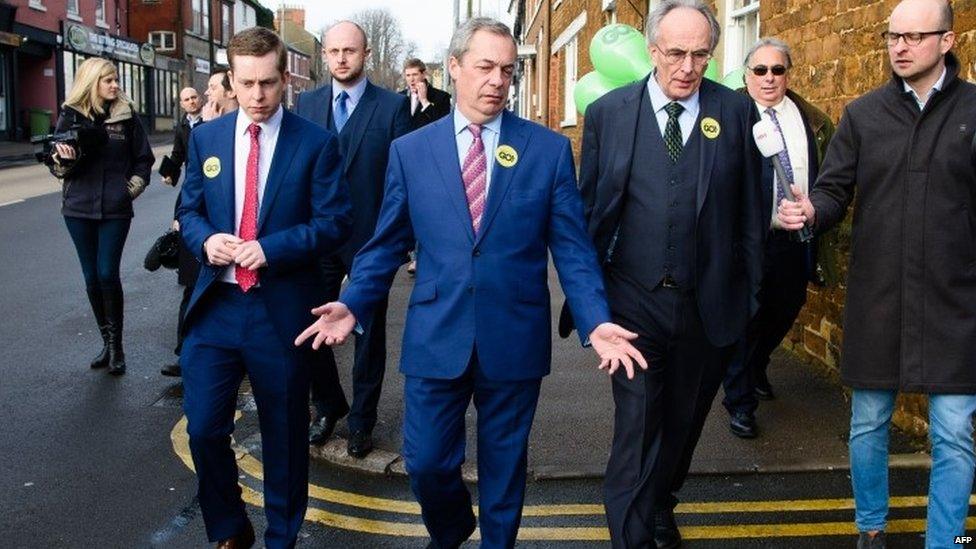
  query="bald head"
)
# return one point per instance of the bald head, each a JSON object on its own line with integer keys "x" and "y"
{"x": 190, "y": 101}
{"x": 346, "y": 52}
{"x": 936, "y": 12}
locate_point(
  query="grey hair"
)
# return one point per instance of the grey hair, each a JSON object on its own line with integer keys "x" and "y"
{"x": 657, "y": 15}
{"x": 771, "y": 42}
{"x": 462, "y": 36}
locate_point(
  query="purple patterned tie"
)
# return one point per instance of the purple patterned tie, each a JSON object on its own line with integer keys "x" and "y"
{"x": 474, "y": 173}
{"x": 784, "y": 156}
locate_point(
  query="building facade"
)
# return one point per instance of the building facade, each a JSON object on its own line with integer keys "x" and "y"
{"x": 304, "y": 52}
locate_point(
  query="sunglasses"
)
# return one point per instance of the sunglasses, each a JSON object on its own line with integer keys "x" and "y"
{"x": 761, "y": 70}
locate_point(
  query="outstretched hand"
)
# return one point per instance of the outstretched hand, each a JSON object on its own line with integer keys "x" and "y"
{"x": 334, "y": 325}
{"x": 612, "y": 343}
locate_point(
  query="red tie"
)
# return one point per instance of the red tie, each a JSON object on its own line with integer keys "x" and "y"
{"x": 246, "y": 278}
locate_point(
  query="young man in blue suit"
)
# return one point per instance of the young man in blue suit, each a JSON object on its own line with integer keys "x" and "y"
{"x": 263, "y": 198}
{"x": 670, "y": 178}
{"x": 487, "y": 195}
{"x": 367, "y": 119}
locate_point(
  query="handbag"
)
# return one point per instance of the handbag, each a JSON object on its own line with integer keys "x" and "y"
{"x": 164, "y": 252}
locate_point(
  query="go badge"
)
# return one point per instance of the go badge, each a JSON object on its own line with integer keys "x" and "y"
{"x": 506, "y": 156}
{"x": 211, "y": 167}
{"x": 710, "y": 127}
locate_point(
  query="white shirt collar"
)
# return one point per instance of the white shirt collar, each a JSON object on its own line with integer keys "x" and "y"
{"x": 659, "y": 100}
{"x": 778, "y": 107}
{"x": 461, "y": 123}
{"x": 937, "y": 86}
{"x": 268, "y": 127}
{"x": 355, "y": 91}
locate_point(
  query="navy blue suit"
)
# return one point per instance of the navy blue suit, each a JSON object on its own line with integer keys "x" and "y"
{"x": 478, "y": 323}
{"x": 380, "y": 117}
{"x": 304, "y": 213}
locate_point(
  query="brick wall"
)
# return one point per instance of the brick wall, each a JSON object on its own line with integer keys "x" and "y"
{"x": 165, "y": 15}
{"x": 839, "y": 56}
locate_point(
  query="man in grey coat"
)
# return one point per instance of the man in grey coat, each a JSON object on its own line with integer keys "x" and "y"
{"x": 910, "y": 319}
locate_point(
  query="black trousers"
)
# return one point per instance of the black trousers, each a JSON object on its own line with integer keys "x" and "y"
{"x": 369, "y": 362}
{"x": 781, "y": 297}
{"x": 658, "y": 415}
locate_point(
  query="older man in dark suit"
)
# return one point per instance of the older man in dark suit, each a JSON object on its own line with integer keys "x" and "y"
{"x": 678, "y": 228}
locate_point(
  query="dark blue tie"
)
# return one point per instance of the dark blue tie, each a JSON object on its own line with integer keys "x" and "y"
{"x": 341, "y": 112}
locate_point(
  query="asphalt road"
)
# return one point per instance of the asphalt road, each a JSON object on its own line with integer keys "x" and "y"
{"x": 90, "y": 460}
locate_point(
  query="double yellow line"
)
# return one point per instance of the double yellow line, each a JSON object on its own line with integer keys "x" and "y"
{"x": 253, "y": 468}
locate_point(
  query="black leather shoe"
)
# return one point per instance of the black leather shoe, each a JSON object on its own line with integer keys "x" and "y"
{"x": 743, "y": 425}
{"x": 171, "y": 370}
{"x": 666, "y": 534}
{"x": 321, "y": 429}
{"x": 360, "y": 444}
{"x": 470, "y": 530}
{"x": 764, "y": 391}
{"x": 243, "y": 540}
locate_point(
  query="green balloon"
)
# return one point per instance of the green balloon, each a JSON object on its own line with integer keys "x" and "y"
{"x": 591, "y": 87}
{"x": 619, "y": 53}
{"x": 711, "y": 72}
{"x": 735, "y": 79}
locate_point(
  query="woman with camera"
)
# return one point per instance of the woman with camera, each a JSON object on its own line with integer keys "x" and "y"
{"x": 104, "y": 167}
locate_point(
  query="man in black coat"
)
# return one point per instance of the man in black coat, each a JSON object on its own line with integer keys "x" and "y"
{"x": 189, "y": 268}
{"x": 427, "y": 103}
{"x": 906, "y": 150}
{"x": 670, "y": 181}
{"x": 367, "y": 119}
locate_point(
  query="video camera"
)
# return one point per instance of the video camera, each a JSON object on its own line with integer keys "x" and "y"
{"x": 83, "y": 140}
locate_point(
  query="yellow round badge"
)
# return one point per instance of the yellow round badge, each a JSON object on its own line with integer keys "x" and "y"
{"x": 506, "y": 156}
{"x": 710, "y": 127}
{"x": 211, "y": 167}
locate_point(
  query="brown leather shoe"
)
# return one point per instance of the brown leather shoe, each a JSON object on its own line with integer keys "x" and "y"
{"x": 244, "y": 540}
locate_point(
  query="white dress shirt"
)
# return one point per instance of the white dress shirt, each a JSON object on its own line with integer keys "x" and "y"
{"x": 795, "y": 136}
{"x": 687, "y": 117}
{"x": 354, "y": 91}
{"x": 489, "y": 137}
{"x": 267, "y": 139}
{"x": 937, "y": 86}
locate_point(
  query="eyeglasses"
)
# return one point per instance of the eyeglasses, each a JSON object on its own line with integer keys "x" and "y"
{"x": 911, "y": 38}
{"x": 761, "y": 70}
{"x": 674, "y": 57}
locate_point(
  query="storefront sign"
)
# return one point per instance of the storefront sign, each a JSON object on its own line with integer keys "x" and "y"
{"x": 87, "y": 40}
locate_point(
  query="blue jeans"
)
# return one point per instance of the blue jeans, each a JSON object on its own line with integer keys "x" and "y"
{"x": 99, "y": 245}
{"x": 953, "y": 462}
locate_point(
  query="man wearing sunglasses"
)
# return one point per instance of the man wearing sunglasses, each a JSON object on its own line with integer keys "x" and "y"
{"x": 905, "y": 149}
{"x": 787, "y": 263}
{"x": 669, "y": 175}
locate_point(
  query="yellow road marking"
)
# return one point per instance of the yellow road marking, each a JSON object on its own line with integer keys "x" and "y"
{"x": 253, "y": 468}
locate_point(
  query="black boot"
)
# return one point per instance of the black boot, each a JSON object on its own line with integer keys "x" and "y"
{"x": 112, "y": 297}
{"x": 98, "y": 309}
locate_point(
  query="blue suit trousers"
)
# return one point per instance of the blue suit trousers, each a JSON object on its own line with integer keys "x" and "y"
{"x": 433, "y": 449}
{"x": 232, "y": 335}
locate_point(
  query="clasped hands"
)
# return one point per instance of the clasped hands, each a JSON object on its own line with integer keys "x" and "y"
{"x": 223, "y": 249}
{"x": 610, "y": 341}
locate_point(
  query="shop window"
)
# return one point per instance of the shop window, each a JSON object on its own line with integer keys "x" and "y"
{"x": 741, "y": 31}
{"x": 100, "y": 13}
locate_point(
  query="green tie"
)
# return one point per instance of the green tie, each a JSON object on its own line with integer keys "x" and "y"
{"x": 672, "y": 132}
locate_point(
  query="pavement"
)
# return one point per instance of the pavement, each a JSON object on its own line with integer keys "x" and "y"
{"x": 21, "y": 153}
{"x": 803, "y": 430}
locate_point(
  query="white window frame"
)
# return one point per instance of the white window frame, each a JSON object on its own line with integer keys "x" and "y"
{"x": 163, "y": 38}
{"x": 100, "y": 20}
{"x": 569, "y": 40}
{"x": 36, "y": 5}
{"x": 73, "y": 9}
{"x": 736, "y": 42}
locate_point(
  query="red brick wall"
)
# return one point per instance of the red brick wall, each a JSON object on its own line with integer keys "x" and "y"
{"x": 163, "y": 16}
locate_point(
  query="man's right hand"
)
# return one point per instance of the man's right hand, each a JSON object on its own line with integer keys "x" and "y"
{"x": 220, "y": 249}
{"x": 793, "y": 215}
{"x": 334, "y": 325}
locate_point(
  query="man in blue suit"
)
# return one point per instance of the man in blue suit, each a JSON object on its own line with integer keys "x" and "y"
{"x": 670, "y": 182}
{"x": 367, "y": 119}
{"x": 263, "y": 198}
{"x": 488, "y": 196}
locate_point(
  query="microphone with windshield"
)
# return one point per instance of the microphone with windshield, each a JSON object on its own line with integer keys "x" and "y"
{"x": 770, "y": 144}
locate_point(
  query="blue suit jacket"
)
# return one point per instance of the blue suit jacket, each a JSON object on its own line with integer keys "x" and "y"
{"x": 380, "y": 117}
{"x": 487, "y": 291}
{"x": 304, "y": 213}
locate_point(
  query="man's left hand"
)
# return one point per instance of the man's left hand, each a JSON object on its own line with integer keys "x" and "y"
{"x": 250, "y": 255}
{"x": 612, "y": 343}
